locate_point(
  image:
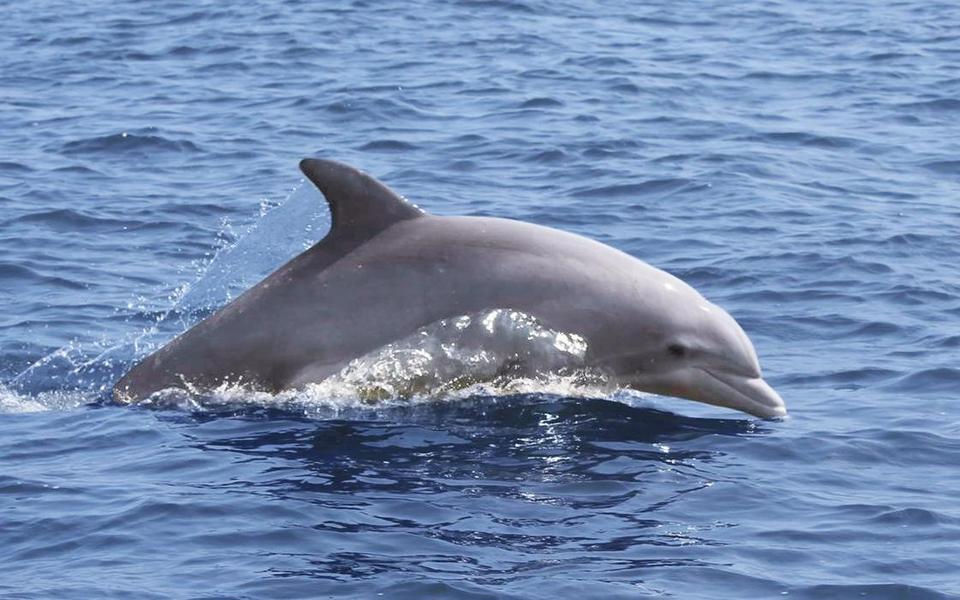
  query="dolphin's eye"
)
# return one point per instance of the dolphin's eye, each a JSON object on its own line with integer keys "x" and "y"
{"x": 676, "y": 350}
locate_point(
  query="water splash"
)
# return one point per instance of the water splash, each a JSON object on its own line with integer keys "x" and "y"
{"x": 12, "y": 402}
{"x": 79, "y": 373}
{"x": 491, "y": 353}
{"x": 280, "y": 233}
{"x": 495, "y": 346}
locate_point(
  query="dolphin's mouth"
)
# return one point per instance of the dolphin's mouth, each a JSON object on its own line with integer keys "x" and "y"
{"x": 752, "y": 395}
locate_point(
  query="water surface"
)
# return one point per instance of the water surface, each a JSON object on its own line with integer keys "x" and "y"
{"x": 797, "y": 162}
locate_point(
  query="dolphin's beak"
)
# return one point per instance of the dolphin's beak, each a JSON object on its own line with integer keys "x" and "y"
{"x": 751, "y": 395}
{"x": 741, "y": 392}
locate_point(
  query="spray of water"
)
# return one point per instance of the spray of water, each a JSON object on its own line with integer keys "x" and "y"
{"x": 82, "y": 373}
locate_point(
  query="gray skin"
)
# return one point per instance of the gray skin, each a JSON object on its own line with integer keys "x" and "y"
{"x": 387, "y": 269}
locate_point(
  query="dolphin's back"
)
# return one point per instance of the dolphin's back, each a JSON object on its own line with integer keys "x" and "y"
{"x": 385, "y": 270}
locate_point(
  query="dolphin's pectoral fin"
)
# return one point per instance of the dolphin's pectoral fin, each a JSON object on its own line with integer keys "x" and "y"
{"x": 360, "y": 206}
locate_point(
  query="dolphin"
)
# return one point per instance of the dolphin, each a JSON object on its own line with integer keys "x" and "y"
{"x": 387, "y": 269}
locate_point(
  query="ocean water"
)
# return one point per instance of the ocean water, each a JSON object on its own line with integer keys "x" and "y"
{"x": 797, "y": 162}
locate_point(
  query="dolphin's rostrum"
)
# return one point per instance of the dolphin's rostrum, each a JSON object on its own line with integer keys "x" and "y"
{"x": 387, "y": 269}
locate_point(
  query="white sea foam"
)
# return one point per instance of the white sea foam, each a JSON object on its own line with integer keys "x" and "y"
{"x": 12, "y": 401}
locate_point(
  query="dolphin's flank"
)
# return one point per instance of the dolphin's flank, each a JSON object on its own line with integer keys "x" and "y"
{"x": 387, "y": 269}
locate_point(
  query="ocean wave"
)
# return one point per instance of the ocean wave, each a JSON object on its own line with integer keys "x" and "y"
{"x": 67, "y": 219}
{"x": 653, "y": 187}
{"x": 18, "y": 274}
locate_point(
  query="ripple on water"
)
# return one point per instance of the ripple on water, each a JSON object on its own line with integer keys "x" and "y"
{"x": 388, "y": 146}
{"x": 71, "y": 220}
{"x": 936, "y": 380}
{"x": 16, "y": 274}
{"x": 122, "y": 144}
{"x": 654, "y": 187}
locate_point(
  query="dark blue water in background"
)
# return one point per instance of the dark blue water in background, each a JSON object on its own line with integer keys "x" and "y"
{"x": 798, "y": 162}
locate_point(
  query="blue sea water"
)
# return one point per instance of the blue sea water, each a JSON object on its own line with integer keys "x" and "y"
{"x": 797, "y": 162}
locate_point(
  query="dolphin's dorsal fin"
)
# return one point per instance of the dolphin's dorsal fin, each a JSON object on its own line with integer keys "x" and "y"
{"x": 360, "y": 206}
